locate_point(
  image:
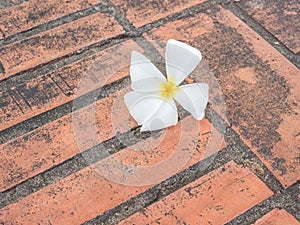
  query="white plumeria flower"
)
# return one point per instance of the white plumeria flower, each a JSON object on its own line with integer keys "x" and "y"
{"x": 151, "y": 103}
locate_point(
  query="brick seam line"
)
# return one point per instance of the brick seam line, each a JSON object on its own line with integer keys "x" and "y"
{"x": 59, "y": 111}
{"x": 264, "y": 33}
{"x": 130, "y": 32}
{"x": 9, "y": 3}
{"x": 77, "y": 162}
{"x": 52, "y": 24}
{"x": 287, "y": 200}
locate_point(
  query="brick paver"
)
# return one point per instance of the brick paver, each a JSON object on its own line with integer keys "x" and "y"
{"x": 213, "y": 199}
{"x": 33, "y": 13}
{"x": 277, "y": 217}
{"x": 58, "y": 87}
{"x": 144, "y": 12}
{"x": 254, "y": 79}
{"x": 281, "y": 18}
{"x": 57, "y": 42}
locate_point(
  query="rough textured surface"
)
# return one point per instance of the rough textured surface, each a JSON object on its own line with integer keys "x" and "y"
{"x": 259, "y": 93}
{"x": 213, "y": 199}
{"x": 70, "y": 152}
{"x": 281, "y": 18}
{"x": 57, "y": 42}
{"x": 33, "y": 13}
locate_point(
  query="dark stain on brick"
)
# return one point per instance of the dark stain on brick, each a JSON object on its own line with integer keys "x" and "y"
{"x": 281, "y": 18}
{"x": 254, "y": 109}
{"x": 278, "y": 163}
{"x": 2, "y": 70}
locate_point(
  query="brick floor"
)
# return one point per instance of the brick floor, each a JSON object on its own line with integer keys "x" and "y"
{"x": 92, "y": 165}
{"x": 213, "y": 199}
{"x": 256, "y": 89}
{"x": 33, "y": 13}
{"x": 57, "y": 42}
{"x": 279, "y": 17}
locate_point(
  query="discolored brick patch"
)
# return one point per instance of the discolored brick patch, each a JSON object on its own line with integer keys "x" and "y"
{"x": 281, "y": 18}
{"x": 259, "y": 85}
{"x": 277, "y": 217}
{"x": 144, "y": 12}
{"x": 33, "y": 13}
{"x": 215, "y": 198}
{"x": 59, "y": 87}
{"x": 57, "y": 42}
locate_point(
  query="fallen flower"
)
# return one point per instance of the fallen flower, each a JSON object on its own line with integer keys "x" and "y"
{"x": 151, "y": 103}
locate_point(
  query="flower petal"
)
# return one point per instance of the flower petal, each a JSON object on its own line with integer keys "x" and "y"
{"x": 142, "y": 106}
{"x": 181, "y": 60}
{"x": 165, "y": 116}
{"x": 193, "y": 98}
{"x": 145, "y": 77}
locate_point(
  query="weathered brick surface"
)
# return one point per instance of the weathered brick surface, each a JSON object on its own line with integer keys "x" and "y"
{"x": 281, "y": 18}
{"x": 277, "y": 217}
{"x": 73, "y": 200}
{"x": 144, "y": 12}
{"x": 58, "y": 87}
{"x": 54, "y": 143}
{"x": 63, "y": 138}
{"x": 69, "y": 200}
{"x": 57, "y": 42}
{"x": 259, "y": 84}
{"x": 33, "y": 13}
{"x": 215, "y": 198}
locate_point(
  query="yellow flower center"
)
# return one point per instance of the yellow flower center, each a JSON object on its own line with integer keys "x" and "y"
{"x": 168, "y": 89}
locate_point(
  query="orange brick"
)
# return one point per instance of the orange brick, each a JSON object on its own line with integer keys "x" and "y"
{"x": 277, "y": 217}
{"x": 260, "y": 86}
{"x": 73, "y": 200}
{"x": 215, "y": 198}
{"x": 55, "y": 142}
{"x": 36, "y": 12}
{"x": 155, "y": 159}
{"x": 57, "y": 42}
{"x": 144, "y": 12}
{"x": 69, "y": 200}
{"x": 283, "y": 23}
{"x": 58, "y": 87}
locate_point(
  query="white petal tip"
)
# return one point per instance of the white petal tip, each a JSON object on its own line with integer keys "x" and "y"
{"x": 193, "y": 50}
{"x": 199, "y": 117}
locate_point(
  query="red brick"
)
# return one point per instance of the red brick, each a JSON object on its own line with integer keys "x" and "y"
{"x": 260, "y": 86}
{"x": 73, "y": 200}
{"x": 283, "y": 23}
{"x": 57, "y": 141}
{"x": 57, "y": 42}
{"x": 36, "y": 12}
{"x": 215, "y": 198}
{"x": 54, "y": 143}
{"x": 144, "y": 12}
{"x": 58, "y": 87}
{"x": 69, "y": 200}
{"x": 277, "y": 217}
{"x": 155, "y": 159}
